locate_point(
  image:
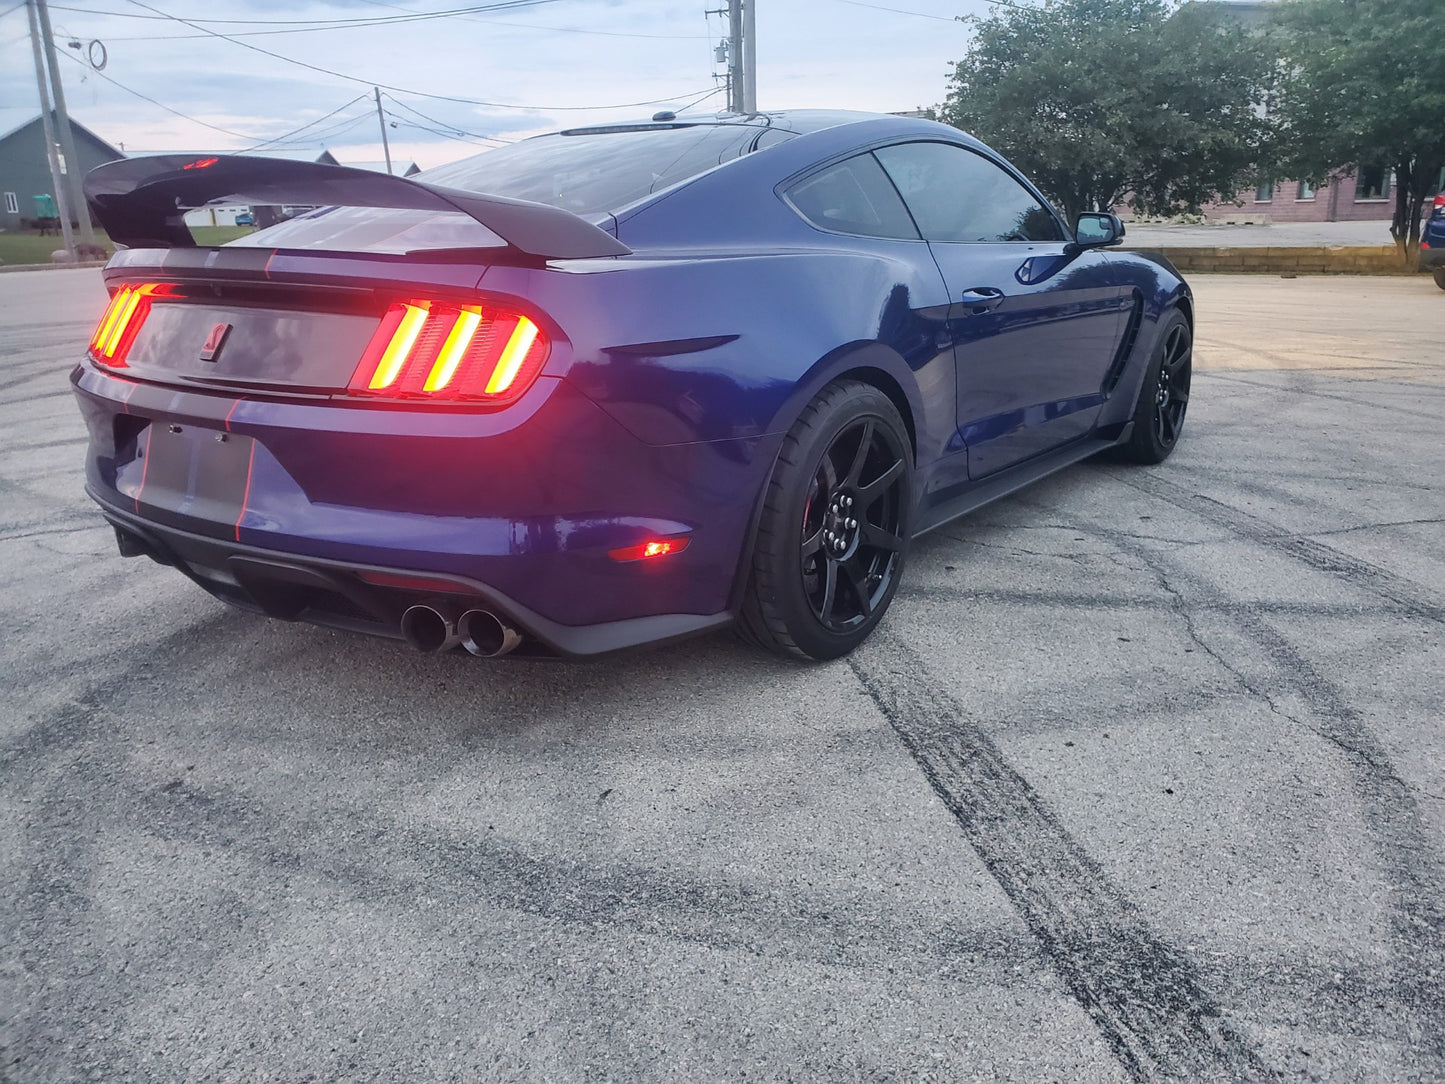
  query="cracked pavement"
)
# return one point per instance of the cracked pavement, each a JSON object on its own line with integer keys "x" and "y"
{"x": 1141, "y": 779}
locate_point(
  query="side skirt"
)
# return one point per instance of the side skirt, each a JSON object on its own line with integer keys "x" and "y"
{"x": 948, "y": 505}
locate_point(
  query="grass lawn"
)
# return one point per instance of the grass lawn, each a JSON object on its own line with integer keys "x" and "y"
{"x": 26, "y": 248}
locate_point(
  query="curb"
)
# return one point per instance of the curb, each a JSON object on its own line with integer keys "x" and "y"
{"x": 1301, "y": 260}
{"x": 51, "y": 266}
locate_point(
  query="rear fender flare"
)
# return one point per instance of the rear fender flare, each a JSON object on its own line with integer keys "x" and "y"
{"x": 869, "y": 363}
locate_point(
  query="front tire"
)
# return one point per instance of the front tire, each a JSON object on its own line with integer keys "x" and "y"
{"x": 1164, "y": 396}
{"x": 834, "y": 529}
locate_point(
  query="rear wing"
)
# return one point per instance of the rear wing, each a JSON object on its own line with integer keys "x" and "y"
{"x": 142, "y": 202}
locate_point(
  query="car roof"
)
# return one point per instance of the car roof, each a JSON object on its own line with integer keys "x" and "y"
{"x": 796, "y": 121}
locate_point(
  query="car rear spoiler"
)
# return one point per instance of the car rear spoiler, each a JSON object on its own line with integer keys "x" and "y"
{"x": 142, "y": 202}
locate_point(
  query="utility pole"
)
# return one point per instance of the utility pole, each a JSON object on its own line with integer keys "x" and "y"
{"x": 67, "y": 138}
{"x": 57, "y": 178}
{"x": 736, "y": 102}
{"x": 750, "y": 56}
{"x": 381, "y": 117}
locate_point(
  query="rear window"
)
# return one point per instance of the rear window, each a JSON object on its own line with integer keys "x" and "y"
{"x": 596, "y": 171}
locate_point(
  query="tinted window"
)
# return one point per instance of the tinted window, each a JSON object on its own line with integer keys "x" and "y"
{"x": 853, "y": 197}
{"x": 596, "y": 171}
{"x": 957, "y": 195}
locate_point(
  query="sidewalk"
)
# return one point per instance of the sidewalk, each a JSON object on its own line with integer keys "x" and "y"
{"x": 1279, "y": 235}
{"x": 1309, "y": 248}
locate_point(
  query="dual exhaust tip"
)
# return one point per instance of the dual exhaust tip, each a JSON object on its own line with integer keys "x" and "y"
{"x": 481, "y": 632}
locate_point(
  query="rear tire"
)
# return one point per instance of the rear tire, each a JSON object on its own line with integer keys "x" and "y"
{"x": 1163, "y": 397}
{"x": 1439, "y": 273}
{"x": 834, "y": 529}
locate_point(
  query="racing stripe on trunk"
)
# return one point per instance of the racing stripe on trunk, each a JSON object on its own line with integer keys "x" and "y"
{"x": 1141, "y": 992}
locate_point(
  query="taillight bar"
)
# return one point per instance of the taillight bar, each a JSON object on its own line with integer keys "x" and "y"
{"x": 122, "y": 320}
{"x": 447, "y": 352}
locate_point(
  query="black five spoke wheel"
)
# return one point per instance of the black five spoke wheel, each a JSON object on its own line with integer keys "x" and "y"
{"x": 1171, "y": 395}
{"x": 834, "y": 529}
{"x": 1164, "y": 396}
{"x": 851, "y": 523}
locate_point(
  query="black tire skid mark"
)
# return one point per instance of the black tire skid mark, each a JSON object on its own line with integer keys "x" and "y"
{"x": 72, "y": 764}
{"x": 1391, "y": 812}
{"x": 1294, "y": 384}
{"x": 1413, "y": 596}
{"x": 1142, "y": 993}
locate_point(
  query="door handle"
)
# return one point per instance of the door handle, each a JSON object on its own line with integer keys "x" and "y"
{"x": 980, "y": 299}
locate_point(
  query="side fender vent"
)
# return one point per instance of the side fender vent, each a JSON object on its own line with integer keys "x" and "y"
{"x": 1126, "y": 344}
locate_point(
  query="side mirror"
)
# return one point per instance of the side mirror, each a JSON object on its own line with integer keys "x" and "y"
{"x": 1098, "y": 230}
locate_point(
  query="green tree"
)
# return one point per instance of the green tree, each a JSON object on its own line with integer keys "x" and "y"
{"x": 1364, "y": 84}
{"x": 1102, "y": 101}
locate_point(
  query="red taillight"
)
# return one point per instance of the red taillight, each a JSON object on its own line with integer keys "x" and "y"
{"x": 445, "y": 352}
{"x": 658, "y": 547}
{"x": 122, "y": 320}
{"x": 1440, "y": 202}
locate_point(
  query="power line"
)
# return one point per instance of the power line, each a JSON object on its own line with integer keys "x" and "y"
{"x": 901, "y": 11}
{"x": 404, "y": 90}
{"x": 286, "y": 137}
{"x": 414, "y": 16}
{"x": 443, "y": 124}
{"x": 558, "y": 29}
{"x": 162, "y": 105}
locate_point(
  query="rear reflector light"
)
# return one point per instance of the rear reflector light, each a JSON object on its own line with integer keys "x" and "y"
{"x": 122, "y": 320}
{"x": 658, "y": 547}
{"x": 444, "y": 352}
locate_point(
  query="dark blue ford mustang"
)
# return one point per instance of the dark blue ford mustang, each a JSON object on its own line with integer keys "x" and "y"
{"x": 613, "y": 385}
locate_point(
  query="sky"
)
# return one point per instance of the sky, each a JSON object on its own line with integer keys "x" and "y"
{"x": 538, "y": 64}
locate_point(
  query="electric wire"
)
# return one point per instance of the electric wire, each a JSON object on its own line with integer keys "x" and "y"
{"x": 162, "y": 105}
{"x": 441, "y": 123}
{"x": 415, "y": 16}
{"x": 406, "y": 90}
{"x": 558, "y": 29}
{"x": 900, "y": 11}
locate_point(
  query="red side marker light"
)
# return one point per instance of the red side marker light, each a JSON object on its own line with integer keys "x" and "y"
{"x": 658, "y": 547}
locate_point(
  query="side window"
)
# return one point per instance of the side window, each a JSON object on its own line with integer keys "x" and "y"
{"x": 853, "y": 197}
{"x": 957, "y": 195}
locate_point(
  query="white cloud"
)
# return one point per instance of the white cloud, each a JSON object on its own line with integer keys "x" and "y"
{"x": 811, "y": 54}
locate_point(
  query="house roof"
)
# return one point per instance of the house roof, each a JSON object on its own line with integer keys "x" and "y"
{"x": 75, "y": 126}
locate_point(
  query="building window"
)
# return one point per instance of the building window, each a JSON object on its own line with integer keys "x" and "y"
{"x": 1306, "y": 191}
{"x": 1265, "y": 192}
{"x": 12, "y": 204}
{"x": 1372, "y": 182}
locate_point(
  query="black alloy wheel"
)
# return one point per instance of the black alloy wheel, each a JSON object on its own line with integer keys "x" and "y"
{"x": 834, "y": 531}
{"x": 1164, "y": 396}
{"x": 851, "y": 545}
{"x": 1171, "y": 392}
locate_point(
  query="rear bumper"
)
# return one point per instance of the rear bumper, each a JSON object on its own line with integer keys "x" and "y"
{"x": 338, "y": 594}
{"x": 519, "y": 507}
{"x": 1433, "y": 235}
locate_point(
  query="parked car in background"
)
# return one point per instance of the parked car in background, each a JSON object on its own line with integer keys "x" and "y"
{"x": 613, "y": 385}
{"x": 245, "y": 218}
{"x": 1432, "y": 242}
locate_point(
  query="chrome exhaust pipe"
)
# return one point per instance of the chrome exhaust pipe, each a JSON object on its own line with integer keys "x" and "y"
{"x": 486, "y": 635}
{"x": 429, "y": 630}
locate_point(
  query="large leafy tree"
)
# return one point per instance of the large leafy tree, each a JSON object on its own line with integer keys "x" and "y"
{"x": 1103, "y": 101}
{"x": 1364, "y": 84}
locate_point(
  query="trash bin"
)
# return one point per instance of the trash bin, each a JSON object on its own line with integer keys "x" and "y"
{"x": 46, "y": 216}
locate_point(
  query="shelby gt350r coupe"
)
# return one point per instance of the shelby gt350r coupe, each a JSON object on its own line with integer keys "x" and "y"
{"x": 613, "y": 385}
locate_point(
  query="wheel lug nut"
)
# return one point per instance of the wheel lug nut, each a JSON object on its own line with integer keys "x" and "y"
{"x": 852, "y": 523}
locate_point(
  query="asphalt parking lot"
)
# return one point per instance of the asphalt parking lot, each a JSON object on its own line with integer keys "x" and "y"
{"x": 1142, "y": 779}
